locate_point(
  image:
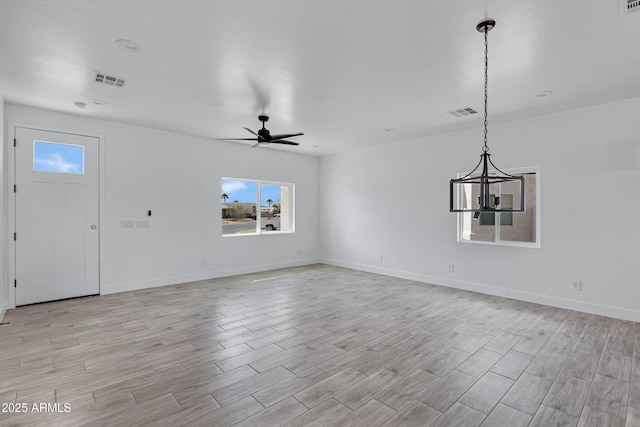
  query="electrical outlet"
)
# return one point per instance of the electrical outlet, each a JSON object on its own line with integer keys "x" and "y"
{"x": 299, "y": 251}
{"x": 451, "y": 268}
{"x": 576, "y": 284}
{"x": 381, "y": 258}
{"x": 204, "y": 262}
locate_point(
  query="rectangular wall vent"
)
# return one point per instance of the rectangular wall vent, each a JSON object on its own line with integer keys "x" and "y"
{"x": 628, "y": 6}
{"x": 464, "y": 111}
{"x": 107, "y": 79}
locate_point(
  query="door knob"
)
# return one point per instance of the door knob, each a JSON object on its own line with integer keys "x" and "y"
{"x": 93, "y": 226}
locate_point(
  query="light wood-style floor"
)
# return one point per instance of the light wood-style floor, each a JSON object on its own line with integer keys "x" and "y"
{"x": 317, "y": 346}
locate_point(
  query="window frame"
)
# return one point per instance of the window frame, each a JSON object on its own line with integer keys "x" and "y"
{"x": 498, "y": 242}
{"x": 260, "y": 231}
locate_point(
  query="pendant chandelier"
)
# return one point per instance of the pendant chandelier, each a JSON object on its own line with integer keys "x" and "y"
{"x": 478, "y": 191}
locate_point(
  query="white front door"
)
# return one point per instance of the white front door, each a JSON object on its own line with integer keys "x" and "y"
{"x": 56, "y": 215}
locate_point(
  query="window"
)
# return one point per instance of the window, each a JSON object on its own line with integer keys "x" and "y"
{"x": 505, "y": 228}
{"x": 506, "y": 218}
{"x": 57, "y": 157}
{"x": 256, "y": 207}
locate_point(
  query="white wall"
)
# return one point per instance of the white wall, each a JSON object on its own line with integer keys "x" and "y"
{"x": 393, "y": 200}
{"x": 390, "y": 200}
{"x": 177, "y": 177}
{"x": 4, "y": 277}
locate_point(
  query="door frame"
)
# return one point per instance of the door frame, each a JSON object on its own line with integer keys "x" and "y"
{"x": 11, "y": 181}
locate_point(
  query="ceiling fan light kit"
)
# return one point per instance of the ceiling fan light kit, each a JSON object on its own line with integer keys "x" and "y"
{"x": 482, "y": 181}
{"x": 264, "y": 137}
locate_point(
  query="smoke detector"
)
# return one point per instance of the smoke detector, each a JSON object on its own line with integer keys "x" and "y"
{"x": 107, "y": 79}
{"x": 128, "y": 45}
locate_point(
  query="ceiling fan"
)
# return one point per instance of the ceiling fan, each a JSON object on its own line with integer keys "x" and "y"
{"x": 264, "y": 137}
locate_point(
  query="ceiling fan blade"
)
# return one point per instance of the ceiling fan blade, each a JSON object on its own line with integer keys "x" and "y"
{"x": 249, "y": 130}
{"x": 261, "y": 95}
{"x": 285, "y": 135}
{"x": 282, "y": 141}
{"x": 238, "y": 139}
{"x": 260, "y": 144}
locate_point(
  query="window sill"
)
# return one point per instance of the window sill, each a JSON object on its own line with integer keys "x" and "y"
{"x": 535, "y": 245}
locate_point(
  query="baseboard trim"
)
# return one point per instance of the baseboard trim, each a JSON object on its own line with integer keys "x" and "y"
{"x": 206, "y": 275}
{"x": 565, "y": 303}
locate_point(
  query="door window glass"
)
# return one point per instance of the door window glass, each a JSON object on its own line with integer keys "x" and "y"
{"x": 57, "y": 157}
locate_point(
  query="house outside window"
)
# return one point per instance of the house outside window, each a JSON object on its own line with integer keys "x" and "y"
{"x": 256, "y": 207}
{"x": 505, "y": 228}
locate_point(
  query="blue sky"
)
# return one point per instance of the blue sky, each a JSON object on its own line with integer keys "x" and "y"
{"x": 247, "y": 191}
{"x": 55, "y": 157}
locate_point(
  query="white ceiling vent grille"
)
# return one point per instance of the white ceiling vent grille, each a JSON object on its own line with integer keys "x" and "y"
{"x": 461, "y": 112}
{"x": 628, "y": 6}
{"x": 108, "y": 80}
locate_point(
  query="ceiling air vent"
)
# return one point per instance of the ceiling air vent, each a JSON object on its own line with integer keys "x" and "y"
{"x": 464, "y": 111}
{"x": 628, "y": 6}
{"x": 107, "y": 79}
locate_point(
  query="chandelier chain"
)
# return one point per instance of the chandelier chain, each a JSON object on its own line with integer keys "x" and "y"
{"x": 485, "y": 148}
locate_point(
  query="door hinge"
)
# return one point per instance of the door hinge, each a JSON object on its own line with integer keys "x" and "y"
{"x": 14, "y": 142}
{"x": 15, "y": 236}
{"x": 15, "y": 188}
{"x": 15, "y": 283}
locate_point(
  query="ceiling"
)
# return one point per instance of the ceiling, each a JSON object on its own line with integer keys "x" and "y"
{"x": 342, "y": 72}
